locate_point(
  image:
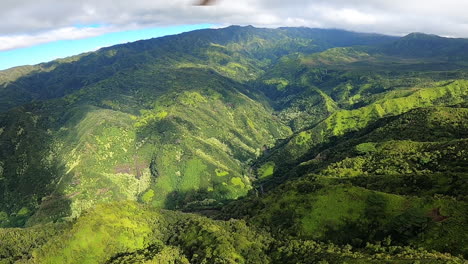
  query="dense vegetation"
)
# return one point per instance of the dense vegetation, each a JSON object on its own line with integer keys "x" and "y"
{"x": 239, "y": 145}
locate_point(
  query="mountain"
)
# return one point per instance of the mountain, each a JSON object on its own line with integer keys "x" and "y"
{"x": 239, "y": 145}
{"x": 427, "y": 46}
{"x": 252, "y": 48}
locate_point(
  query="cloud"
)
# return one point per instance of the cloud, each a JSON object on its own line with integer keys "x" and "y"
{"x": 66, "y": 33}
{"x": 29, "y": 22}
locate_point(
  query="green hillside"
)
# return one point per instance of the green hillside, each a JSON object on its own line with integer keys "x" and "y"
{"x": 402, "y": 178}
{"x": 239, "y": 145}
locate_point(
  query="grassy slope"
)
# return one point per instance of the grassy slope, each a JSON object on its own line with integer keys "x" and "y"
{"x": 192, "y": 145}
{"x": 345, "y": 121}
{"x": 128, "y": 232}
{"x": 403, "y": 177}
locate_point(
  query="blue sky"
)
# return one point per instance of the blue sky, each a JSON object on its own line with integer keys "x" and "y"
{"x": 64, "y": 48}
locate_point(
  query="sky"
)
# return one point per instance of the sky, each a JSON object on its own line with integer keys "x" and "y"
{"x": 35, "y": 31}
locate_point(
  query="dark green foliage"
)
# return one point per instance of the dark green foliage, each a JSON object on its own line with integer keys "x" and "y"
{"x": 138, "y": 256}
{"x": 450, "y": 184}
{"x": 18, "y": 244}
{"x": 28, "y": 166}
{"x": 226, "y": 242}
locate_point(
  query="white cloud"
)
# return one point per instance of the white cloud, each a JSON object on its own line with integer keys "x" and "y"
{"x": 27, "y": 22}
{"x": 349, "y": 16}
{"x": 67, "y": 33}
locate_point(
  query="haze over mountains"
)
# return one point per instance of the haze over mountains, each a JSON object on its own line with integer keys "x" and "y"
{"x": 239, "y": 145}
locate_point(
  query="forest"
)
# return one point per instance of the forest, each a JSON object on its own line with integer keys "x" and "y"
{"x": 239, "y": 145}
